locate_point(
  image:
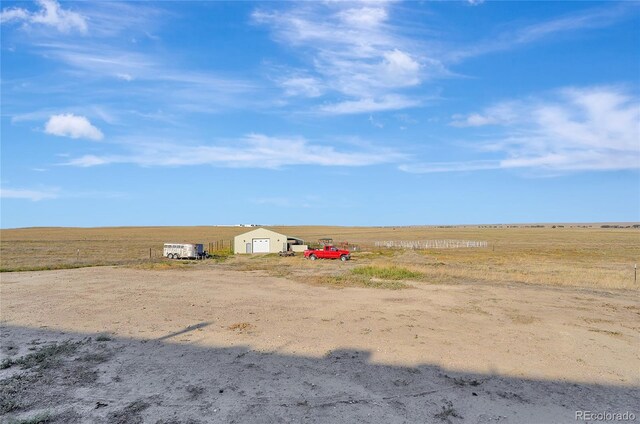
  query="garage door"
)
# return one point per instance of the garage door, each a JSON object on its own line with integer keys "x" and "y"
{"x": 261, "y": 245}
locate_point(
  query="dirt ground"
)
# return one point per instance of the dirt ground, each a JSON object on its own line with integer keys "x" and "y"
{"x": 218, "y": 345}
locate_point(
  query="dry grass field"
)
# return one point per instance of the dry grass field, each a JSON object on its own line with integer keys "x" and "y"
{"x": 541, "y": 323}
{"x": 570, "y": 255}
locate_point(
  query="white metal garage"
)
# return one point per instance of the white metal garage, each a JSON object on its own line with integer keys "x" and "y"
{"x": 260, "y": 240}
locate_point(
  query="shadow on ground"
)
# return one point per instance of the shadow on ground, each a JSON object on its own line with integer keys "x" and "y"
{"x": 76, "y": 378}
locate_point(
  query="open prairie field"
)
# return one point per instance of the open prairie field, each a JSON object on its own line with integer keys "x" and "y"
{"x": 570, "y": 255}
{"x": 540, "y": 324}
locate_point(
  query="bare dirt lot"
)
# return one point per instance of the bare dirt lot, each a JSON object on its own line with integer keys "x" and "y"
{"x": 219, "y": 342}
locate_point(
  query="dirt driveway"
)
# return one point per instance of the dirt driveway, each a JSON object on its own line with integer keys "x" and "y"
{"x": 215, "y": 345}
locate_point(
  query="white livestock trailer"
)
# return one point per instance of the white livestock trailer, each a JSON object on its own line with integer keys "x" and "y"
{"x": 183, "y": 251}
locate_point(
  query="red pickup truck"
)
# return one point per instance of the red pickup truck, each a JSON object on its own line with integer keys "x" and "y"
{"x": 328, "y": 252}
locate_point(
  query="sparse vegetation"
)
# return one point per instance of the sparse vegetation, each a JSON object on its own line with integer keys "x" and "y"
{"x": 354, "y": 280}
{"x": 241, "y": 327}
{"x": 387, "y": 273}
{"x": 131, "y": 414}
{"x": 47, "y": 267}
{"x": 447, "y": 412}
{"x": 104, "y": 337}
{"x": 576, "y": 255}
{"x": 41, "y": 418}
{"x": 195, "y": 391}
{"x": 45, "y": 357}
{"x": 164, "y": 264}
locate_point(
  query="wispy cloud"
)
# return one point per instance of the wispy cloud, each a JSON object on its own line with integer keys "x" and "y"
{"x": 74, "y": 126}
{"x": 500, "y": 113}
{"x": 34, "y": 195}
{"x": 353, "y": 50}
{"x": 138, "y": 20}
{"x": 369, "y": 104}
{"x": 252, "y": 151}
{"x": 361, "y": 60}
{"x": 188, "y": 87}
{"x": 50, "y": 14}
{"x": 598, "y": 17}
{"x": 51, "y": 193}
{"x": 375, "y": 122}
{"x": 301, "y": 85}
{"x": 574, "y": 129}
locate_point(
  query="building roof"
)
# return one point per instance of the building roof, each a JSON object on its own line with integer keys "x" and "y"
{"x": 261, "y": 231}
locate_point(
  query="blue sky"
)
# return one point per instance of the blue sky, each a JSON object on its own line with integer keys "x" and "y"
{"x": 363, "y": 113}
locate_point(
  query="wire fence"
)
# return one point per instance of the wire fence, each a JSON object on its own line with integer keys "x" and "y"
{"x": 432, "y": 244}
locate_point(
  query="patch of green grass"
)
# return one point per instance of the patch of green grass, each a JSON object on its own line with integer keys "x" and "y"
{"x": 389, "y": 285}
{"x": 387, "y": 273}
{"x": 341, "y": 281}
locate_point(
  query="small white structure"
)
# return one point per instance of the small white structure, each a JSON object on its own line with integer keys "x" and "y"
{"x": 260, "y": 240}
{"x": 182, "y": 251}
{"x": 300, "y": 248}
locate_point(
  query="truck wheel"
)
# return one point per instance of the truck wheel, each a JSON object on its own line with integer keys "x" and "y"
{"x": 343, "y": 258}
{"x": 313, "y": 257}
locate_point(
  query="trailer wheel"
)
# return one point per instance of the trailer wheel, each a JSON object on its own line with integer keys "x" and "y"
{"x": 313, "y": 257}
{"x": 170, "y": 256}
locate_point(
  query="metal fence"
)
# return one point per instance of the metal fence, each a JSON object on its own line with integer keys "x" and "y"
{"x": 431, "y": 244}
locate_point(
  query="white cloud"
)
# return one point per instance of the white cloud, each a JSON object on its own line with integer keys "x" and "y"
{"x": 365, "y": 17}
{"x": 190, "y": 90}
{"x": 13, "y": 14}
{"x": 124, "y": 76}
{"x": 252, "y": 151}
{"x": 74, "y": 126}
{"x": 88, "y": 161}
{"x": 50, "y": 14}
{"x": 375, "y": 122}
{"x": 501, "y": 113}
{"x": 574, "y": 129}
{"x": 28, "y": 194}
{"x": 390, "y": 102}
{"x": 423, "y": 168}
{"x": 352, "y": 50}
{"x": 302, "y": 86}
{"x": 598, "y": 17}
{"x": 400, "y": 69}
